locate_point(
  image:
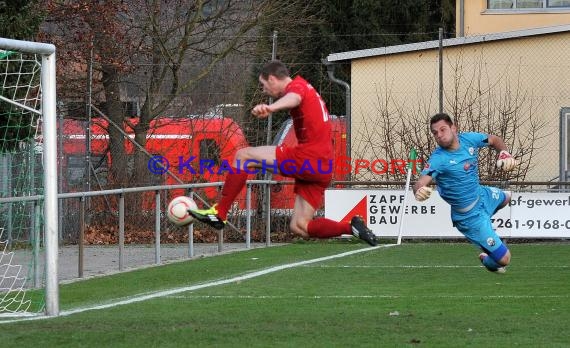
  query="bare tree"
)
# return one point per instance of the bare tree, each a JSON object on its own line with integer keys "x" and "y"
{"x": 158, "y": 51}
{"x": 500, "y": 106}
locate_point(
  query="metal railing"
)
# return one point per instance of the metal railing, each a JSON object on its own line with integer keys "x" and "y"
{"x": 158, "y": 214}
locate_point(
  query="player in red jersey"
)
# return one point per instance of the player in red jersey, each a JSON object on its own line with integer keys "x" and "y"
{"x": 309, "y": 162}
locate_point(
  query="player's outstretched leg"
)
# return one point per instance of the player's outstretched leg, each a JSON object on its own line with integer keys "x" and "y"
{"x": 360, "y": 230}
{"x": 209, "y": 216}
{"x": 490, "y": 264}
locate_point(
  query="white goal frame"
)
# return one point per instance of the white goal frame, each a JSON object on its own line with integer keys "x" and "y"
{"x": 49, "y": 133}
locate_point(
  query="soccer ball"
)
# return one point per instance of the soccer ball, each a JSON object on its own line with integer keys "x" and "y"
{"x": 177, "y": 211}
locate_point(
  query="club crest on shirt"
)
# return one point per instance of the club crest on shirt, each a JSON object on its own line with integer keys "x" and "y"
{"x": 471, "y": 151}
{"x": 466, "y": 166}
{"x": 490, "y": 241}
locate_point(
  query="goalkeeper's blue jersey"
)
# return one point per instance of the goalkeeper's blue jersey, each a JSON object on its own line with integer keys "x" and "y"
{"x": 456, "y": 173}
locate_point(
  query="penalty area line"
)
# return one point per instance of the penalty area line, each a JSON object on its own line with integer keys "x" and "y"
{"x": 172, "y": 292}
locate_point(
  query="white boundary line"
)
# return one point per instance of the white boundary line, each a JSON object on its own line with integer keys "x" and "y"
{"x": 171, "y": 292}
{"x": 434, "y": 266}
{"x": 270, "y": 297}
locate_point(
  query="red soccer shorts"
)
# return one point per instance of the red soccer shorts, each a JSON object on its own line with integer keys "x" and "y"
{"x": 312, "y": 175}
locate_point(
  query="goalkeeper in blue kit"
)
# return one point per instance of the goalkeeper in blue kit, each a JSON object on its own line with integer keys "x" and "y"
{"x": 453, "y": 167}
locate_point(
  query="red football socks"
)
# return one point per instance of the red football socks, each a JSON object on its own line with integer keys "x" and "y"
{"x": 235, "y": 181}
{"x": 326, "y": 228}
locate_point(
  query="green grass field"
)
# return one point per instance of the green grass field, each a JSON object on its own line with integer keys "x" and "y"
{"x": 416, "y": 294}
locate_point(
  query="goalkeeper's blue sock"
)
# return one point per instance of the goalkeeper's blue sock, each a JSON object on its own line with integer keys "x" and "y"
{"x": 491, "y": 264}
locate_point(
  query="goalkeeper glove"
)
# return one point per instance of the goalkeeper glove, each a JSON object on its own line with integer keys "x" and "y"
{"x": 506, "y": 162}
{"x": 423, "y": 193}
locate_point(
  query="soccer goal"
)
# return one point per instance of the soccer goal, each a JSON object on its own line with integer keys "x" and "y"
{"x": 28, "y": 179}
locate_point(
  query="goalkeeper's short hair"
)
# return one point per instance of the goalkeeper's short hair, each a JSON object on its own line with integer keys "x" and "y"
{"x": 442, "y": 116}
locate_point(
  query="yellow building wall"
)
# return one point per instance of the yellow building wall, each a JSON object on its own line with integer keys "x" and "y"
{"x": 528, "y": 78}
{"x": 478, "y": 20}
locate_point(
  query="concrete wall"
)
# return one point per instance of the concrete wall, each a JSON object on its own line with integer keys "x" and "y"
{"x": 486, "y": 85}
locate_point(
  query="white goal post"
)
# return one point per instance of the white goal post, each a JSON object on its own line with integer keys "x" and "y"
{"x": 49, "y": 133}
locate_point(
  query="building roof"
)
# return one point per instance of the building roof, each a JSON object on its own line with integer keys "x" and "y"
{"x": 426, "y": 45}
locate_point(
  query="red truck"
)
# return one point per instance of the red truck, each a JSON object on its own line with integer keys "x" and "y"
{"x": 194, "y": 147}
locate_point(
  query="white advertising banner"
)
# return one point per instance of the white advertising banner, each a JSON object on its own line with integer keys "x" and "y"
{"x": 529, "y": 215}
{"x": 537, "y": 215}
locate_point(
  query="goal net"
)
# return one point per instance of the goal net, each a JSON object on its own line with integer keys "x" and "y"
{"x": 28, "y": 191}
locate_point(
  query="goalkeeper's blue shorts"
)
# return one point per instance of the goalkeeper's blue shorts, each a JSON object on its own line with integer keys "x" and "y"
{"x": 478, "y": 229}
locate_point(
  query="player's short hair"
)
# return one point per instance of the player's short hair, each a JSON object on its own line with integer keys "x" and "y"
{"x": 275, "y": 68}
{"x": 441, "y": 117}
